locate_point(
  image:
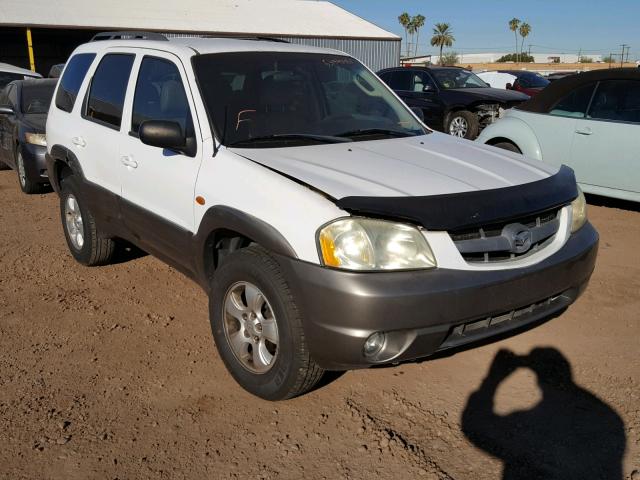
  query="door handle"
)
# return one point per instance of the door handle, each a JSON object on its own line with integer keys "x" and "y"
{"x": 79, "y": 141}
{"x": 128, "y": 161}
{"x": 584, "y": 131}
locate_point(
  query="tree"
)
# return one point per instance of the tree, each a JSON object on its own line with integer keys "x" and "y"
{"x": 449, "y": 59}
{"x": 417, "y": 23}
{"x": 512, "y": 57}
{"x": 405, "y": 20}
{"x": 442, "y": 37}
{"x": 584, "y": 59}
{"x": 514, "y": 23}
{"x": 525, "y": 30}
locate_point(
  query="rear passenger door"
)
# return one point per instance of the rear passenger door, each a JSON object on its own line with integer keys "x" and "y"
{"x": 158, "y": 184}
{"x": 97, "y": 133}
{"x": 606, "y": 145}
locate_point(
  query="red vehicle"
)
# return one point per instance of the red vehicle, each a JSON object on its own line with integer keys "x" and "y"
{"x": 530, "y": 83}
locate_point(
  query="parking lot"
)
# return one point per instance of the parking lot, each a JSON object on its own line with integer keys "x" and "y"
{"x": 111, "y": 372}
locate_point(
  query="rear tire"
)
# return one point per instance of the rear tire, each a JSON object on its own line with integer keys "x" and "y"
{"x": 508, "y": 146}
{"x": 463, "y": 124}
{"x": 252, "y": 311}
{"x": 85, "y": 242}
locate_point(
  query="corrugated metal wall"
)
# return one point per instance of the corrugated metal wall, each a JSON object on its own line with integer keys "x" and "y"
{"x": 376, "y": 54}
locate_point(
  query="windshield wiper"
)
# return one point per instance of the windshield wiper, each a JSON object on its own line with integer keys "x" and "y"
{"x": 292, "y": 136}
{"x": 375, "y": 131}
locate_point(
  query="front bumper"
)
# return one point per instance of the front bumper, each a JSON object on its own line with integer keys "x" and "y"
{"x": 424, "y": 312}
{"x": 35, "y": 164}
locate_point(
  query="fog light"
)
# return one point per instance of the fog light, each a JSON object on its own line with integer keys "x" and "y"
{"x": 374, "y": 344}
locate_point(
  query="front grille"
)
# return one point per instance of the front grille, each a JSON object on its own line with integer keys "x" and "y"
{"x": 501, "y": 241}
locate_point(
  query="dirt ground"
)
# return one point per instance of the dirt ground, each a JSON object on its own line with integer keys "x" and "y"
{"x": 111, "y": 372}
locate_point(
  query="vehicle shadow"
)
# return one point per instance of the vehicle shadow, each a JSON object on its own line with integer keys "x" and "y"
{"x": 569, "y": 434}
{"x": 609, "y": 202}
{"x": 126, "y": 252}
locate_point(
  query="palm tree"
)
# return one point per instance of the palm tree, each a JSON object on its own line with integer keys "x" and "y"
{"x": 442, "y": 37}
{"x": 418, "y": 23}
{"x": 405, "y": 20}
{"x": 514, "y": 23}
{"x": 525, "y": 30}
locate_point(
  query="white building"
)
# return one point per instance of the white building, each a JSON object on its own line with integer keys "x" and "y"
{"x": 58, "y": 26}
{"x": 471, "y": 58}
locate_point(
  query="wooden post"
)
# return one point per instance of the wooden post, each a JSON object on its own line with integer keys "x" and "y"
{"x": 32, "y": 62}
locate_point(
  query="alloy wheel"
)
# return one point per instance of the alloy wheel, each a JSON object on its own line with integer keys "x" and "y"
{"x": 73, "y": 218}
{"x": 250, "y": 327}
{"x": 22, "y": 174}
{"x": 459, "y": 127}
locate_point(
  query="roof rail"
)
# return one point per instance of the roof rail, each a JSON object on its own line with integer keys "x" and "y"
{"x": 129, "y": 35}
{"x": 270, "y": 39}
{"x": 250, "y": 38}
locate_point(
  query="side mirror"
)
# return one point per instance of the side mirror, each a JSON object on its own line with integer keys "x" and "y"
{"x": 164, "y": 134}
{"x": 509, "y": 86}
{"x": 6, "y": 110}
{"x": 419, "y": 113}
{"x": 427, "y": 88}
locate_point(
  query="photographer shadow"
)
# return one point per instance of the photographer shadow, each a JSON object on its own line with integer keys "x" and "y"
{"x": 569, "y": 434}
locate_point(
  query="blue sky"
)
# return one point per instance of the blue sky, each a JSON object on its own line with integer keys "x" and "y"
{"x": 559, "y": 26}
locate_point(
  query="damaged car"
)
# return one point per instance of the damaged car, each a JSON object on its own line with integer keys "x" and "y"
{"x": 451, "y": 99}
{"x": 329, "y": 227}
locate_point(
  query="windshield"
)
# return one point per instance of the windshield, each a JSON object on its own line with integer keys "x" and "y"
{"x": 451, "y": 78}
{"x": 36, "y": 97}
{"x": 532, "y": 80}
{"x": 274, "y": 99}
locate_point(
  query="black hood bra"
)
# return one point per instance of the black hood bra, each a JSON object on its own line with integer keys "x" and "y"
{"x": 471, "y": 209}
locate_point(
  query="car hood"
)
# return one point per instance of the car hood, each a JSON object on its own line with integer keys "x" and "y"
{"x": 486, "y": 94}
{"x": 432, "y": 164}
{"x": 35, "y": 122}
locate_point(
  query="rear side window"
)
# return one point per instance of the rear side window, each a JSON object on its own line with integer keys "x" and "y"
{"x": 160, "y": 95}
{"x": 574, "y": 104}
{"x": 617, "y": 101}
{"x": 105, "y": 101}
{"x": 72, "y": 80}
{"x": 402, "y": 80}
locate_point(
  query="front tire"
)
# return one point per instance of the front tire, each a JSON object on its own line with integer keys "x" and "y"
{"x": 257, "y": 327}
{"x": 508, "y": 146}
{"x": 85, "y": 242}
{"x": 463, "y": 124}
{"x": 27, "y": 185}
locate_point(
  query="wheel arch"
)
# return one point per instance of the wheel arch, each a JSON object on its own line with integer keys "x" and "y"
{"x": 515, "y": 131}
{"x": 61, "y": 162}
{"x": 225, "y": 229}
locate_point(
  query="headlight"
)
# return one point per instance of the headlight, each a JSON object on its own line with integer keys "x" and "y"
{"x": 578, "y": 212}
{"x": 368, "y": 244}
{"x": 36, "y": 138}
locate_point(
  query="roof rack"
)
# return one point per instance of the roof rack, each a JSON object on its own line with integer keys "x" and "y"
{"x": 129, "y": 35}
{"x": 250, "y": 38}
{"x": 270, "y": 39}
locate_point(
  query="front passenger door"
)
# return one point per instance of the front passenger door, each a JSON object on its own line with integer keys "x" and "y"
{"x": 158, "y": 184}
{"x": 410, "y": 87}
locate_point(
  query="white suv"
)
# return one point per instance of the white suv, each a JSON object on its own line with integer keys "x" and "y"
{"x": 330, "y": 228}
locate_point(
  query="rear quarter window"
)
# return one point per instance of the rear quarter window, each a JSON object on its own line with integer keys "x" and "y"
{"x": 72, "y": 80}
